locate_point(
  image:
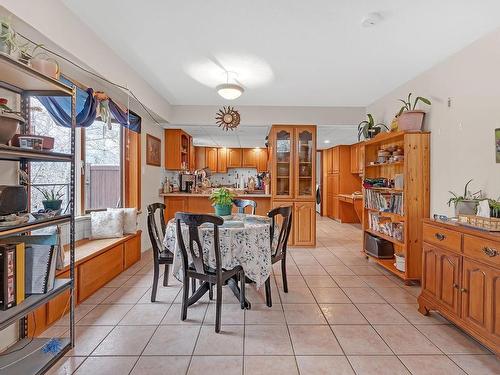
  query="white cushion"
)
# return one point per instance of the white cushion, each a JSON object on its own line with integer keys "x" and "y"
{"x": 129, "y": 219}
{"x": 106, "y": 224}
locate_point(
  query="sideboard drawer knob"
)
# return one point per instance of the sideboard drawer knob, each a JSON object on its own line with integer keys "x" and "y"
{"x": 455, "y": 285}
{"x": 440, "y": 236}
{"x": 489, "y": 251}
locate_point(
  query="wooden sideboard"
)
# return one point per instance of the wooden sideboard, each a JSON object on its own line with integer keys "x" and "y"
{"x": 461, "y": 278}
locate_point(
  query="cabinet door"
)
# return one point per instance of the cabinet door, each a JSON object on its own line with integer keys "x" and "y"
{"x": 261, "y": 160}
{"x": 305, "y": 182}
{"x": 234, "y": 158}
{"x": 211, "y": 158}
{"x": 329, "y": 206}
{"x": 336, "y": 184}
{"x": 327, "y": 164}
{"x": 430, "y": 261}
{"x": 475, "y": 300}
{"x": 282, "y": 173}
{"x": 361, "y": 158}
{"x": 249, "y": 158}
{"x": 335, "y": 208}
{"x": 275, "y": 204}
{"x": 354, "y": 159}
{"x": 200, "y": 157}
{"x": 305, "y": 223}
{"x": 222, "y": 160}
{"x": 192, "y": 158}
{"x": 336, "y": 159}
{"x": 173, "y": 205}
{"x": 185, "y": 142}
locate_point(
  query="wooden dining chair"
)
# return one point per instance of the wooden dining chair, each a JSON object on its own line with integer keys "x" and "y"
{"x": 194, "y": 266}
{"x": 278, "y": 252}
{"x": 243, "y": 203}
{"x": 160, "y": 254}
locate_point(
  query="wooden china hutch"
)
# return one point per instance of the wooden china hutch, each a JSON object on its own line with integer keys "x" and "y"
{"x": 292, "y": 151}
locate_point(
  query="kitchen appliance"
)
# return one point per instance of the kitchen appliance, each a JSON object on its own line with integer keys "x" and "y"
{"x": 183, "y": 179}
{"x": 13, "y": 199}
{"x": 378, "y": 247}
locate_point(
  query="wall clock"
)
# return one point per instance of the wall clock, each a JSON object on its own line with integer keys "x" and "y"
{"x": 227, "y": 118}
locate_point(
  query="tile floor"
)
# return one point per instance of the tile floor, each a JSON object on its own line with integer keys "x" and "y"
{"x": 342, "y": 315}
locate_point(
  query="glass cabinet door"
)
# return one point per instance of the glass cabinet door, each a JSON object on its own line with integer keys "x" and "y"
{"x": 283, "y": 171}
{"x": 306, "y": 155}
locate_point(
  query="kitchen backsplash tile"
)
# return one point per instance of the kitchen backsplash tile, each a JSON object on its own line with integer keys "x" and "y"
{"x": 230, "y": 178}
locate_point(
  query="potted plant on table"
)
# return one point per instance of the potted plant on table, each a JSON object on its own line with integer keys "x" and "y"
{"x": 52, "y": 198}
{"x": 465, "y": 204}
{"x": 409, "y": 117}
{"x": 222, "y": 201}
{"x": 369, "y": 129}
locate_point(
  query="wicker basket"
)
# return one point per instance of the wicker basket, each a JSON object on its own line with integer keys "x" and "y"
{"x": 486, "y": 223}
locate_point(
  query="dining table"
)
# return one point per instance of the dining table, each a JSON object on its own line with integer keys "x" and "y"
{"x": 244, "y": 240}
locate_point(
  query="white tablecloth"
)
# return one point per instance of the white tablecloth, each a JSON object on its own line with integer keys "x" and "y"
{"x": 247, "y": 246}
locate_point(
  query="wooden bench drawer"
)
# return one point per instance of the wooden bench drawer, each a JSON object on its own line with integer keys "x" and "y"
{"x": 132, "y": 252}
{"x": 482, "y": 249}
{"x": 443, "y": 237}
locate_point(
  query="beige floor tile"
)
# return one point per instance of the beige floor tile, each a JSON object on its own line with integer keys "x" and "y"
{"x": 297, "y": 295}
{"x": 303, "y": 259}
{"x": 291, "y": 269}
{"x": 106, "y": 365}
{"x": 314, "y": 340}
{"x": 339, "y": 270}
{"x": 173, "y": 340}
{"x": 478, "y": 364}
{"x": 264, "y": 365}
{"x": 451, "y": 340}
{"x": 220, "y": 365}
{"x": 329, "y": 295}
{"x": 99, "y": 296}
{"x": 143, "y": 281}
{"x": 228, "y": 342}
{"x": 395, "y": 295}
{"x": 87, "y": 338}
{"x": 55, "y": 331}
{"x": 262, "y": 314}
{"x": 320, "y": 281}
{"x": 125, "y": 340}
{"x": 303, "y": 314}
{"x": 376, "y": 365}
{"x": 316, "y": 270}
{"x": 324, "y": 365}
{"x": 379, "y": 281}
{"x": 410, "y": 312}
{"x": 378, "y": 313}
{"x": 161, "y": 365}
{"x": 360, "y": 340}
{"x": 406, "y": 339}
{"x": 350, "y": 281}
{"x": 431, "y": 365}
{"x": 66, "y": 365}
{"x": 165, "y": 294}
{"x": 350, "y": 260}
{"x": 231, "y": 314}
{"x": 195, "y": 314}
{"x": 328, "y": 260}
{"x": 365, "y": 270}
{"x": 126, "y": 294}
{"x": 293, "y": 282}
{"x": 143, "y": 314}
{"x": 105, "y": 315}
{"x": 342, "y": 313}
{"x": 267, "y": 340}
{"x": 80, "y": 311}
{"x": 118, "y": 281}
{"x": 363, "y": 295}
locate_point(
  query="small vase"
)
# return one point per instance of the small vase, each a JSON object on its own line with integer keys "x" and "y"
{"x": 52, "y": 205}
{"x": 222, "y": 210}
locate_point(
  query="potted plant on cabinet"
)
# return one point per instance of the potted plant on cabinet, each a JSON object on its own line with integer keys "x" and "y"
{"x": 52, "y": 198}
{"x": 494, "y": 208}
{"x": 222, "y": 201}
{"x": 409, "y": 117}
{"x": 7, "y": 37}
{"x": 465, "y": 204}
{"x": 369, "y": 129}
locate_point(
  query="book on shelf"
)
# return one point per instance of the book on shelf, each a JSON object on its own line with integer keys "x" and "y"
{"x": 7, "y": 276}
{"x": 385, "y": 226}
{"x": 40, "y": 268}
{"x": 384, "y": 201}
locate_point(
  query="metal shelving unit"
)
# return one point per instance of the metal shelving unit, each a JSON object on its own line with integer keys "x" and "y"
{"x": 27, "y": 355}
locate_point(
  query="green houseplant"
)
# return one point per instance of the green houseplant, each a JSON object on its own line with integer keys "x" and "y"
{"x": 222, "y": 201}
{"x": 465, "y": 204}
{"x": 409, "y": 117}
{"x": 494, "y": 207}
{"x": 369, "y": 129}
{"x": 52, "y": 198}
{"x": 7, "y": 37}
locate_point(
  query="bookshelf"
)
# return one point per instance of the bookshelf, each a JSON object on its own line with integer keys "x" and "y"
{"x": 415, "y": 194}
{"x": 28, "y": 356}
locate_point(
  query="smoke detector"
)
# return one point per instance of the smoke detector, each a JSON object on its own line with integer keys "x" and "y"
{"x": 371, "y": 19}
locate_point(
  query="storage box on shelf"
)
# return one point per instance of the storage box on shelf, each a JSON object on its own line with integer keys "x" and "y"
{"x": 293, "y": 168}
{"x": 461, "y": 278}
{"x": 400, "y": 210}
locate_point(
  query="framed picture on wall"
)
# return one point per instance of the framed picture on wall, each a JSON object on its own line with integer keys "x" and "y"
{"x": 497, "y": 144}
{"x": 153, "y": 150}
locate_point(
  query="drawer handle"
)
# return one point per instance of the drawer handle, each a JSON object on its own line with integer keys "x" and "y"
{"x": 455, "y": 286}
{"x": 440, "y": 236}
{"x": 490, "y": 251}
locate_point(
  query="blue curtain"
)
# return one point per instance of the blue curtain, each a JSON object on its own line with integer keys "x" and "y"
{"x": 132, "y": 121}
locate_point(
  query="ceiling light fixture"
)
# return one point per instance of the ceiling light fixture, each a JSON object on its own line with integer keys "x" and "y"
{"x": 326, "y": 141}
{"x": 371, "y": 19}
{"x": 229, "y": 91}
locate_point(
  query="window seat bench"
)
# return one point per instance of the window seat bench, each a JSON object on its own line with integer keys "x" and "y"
{"x": 97, "y": 262}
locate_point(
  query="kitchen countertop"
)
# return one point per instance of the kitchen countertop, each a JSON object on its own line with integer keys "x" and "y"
{"x": 243, "y": 195}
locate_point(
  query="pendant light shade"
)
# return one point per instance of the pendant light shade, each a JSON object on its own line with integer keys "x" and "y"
{"x": 230, "y": 91}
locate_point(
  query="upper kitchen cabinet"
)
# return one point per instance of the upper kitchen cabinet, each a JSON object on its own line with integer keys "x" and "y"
{"x": 357, "y": 157}
{"x": 211, "y": 155}
{"x": 262, "y": 160}
{"x": 305, "y": 145}
{"x": 178, "y": 151}
{"x": 234, "y": 157}
{"x": 249, "y": 158}
{"x": 222, "y": 160}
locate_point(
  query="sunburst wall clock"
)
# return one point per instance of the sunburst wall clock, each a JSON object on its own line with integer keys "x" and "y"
{"x": 227, "y": 118}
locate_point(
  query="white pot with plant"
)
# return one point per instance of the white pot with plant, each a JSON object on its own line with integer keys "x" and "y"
{"x": 465, "y": 204}
{"x": 409, "y": 117}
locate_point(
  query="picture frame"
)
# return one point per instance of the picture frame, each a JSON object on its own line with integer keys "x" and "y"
{"x": 497, "y": 144}
{"x": 153, "y": 150}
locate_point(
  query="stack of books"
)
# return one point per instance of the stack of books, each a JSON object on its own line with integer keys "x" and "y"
{"x": 385, "y": 226}
{"x": 384, "y": 201}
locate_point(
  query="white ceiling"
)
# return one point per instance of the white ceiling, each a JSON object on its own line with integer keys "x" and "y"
{"x": 286, "y": 52}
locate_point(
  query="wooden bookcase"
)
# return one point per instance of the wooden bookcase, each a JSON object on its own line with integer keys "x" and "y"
{"x": 416, "y": 195}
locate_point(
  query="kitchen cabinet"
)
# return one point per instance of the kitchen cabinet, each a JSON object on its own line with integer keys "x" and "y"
{"x": 192, "y": 155}
{"x": 355, "y": 158}
{"x": 261, "y": 160}
{"x": 178, "y": 150}
{"x": 222, "y": 160}
{"x": 211, "y": 154}
{"x": 305, "y": 223}
{"x": 173, "y": 205}
{"x": 336, "y": 154}
{"x": 461, "y": 279}
{"x": 249, "y": 158}
{"x": 234, "y": 156}
{"x": 200, "y": 157}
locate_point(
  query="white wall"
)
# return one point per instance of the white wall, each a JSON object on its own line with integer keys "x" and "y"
{"x": 462, "y": 135}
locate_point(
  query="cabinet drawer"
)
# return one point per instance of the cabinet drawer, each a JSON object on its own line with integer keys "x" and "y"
{"x": 443, "y": 237}
{"x": 482, "y": 250}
